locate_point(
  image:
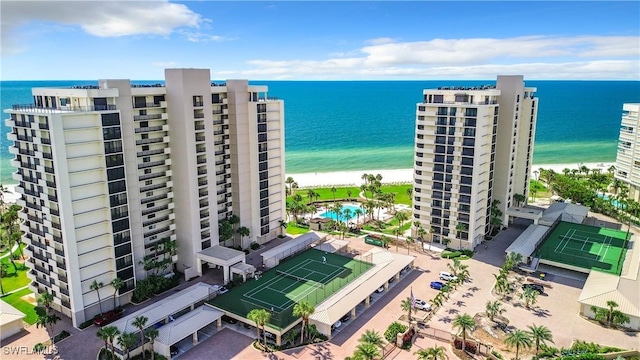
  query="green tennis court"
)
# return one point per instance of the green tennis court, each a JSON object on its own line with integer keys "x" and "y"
{"x": 585, "y": 246}
{"x": 312, "y": 275}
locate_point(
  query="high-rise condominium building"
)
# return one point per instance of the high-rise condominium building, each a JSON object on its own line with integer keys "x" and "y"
{"x": 122, "y": 181}
{"x": 473, "y": 151}
{"x": 628, "y": 157}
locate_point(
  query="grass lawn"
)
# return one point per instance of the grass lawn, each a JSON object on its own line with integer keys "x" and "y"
{"x": 342, "y": 193}
{"x": 30, "y": 310}
{"x": 12, "y": 279}
{"x": 293, "y": 229}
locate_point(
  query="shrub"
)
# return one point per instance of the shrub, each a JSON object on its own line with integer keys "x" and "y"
{"x": 496, "y": 354}
{"x": 87, "y": 323}
{"x": 447, "y": 254}
{"x": 254, "y": 246}
{"x": 393, "y": 330}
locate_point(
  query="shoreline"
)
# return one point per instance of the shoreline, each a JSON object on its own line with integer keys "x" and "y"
{"x": 354, "y": 177}
{"x": 399, "y": 176}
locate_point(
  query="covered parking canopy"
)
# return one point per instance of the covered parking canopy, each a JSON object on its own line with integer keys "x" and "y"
{"x": 387, "y": 265}
{"x": 271, "y": 258}
{"x": 186, "y": 325}
{"x": 220, "y": 256}
{"x": 528, "y": 241}
{"x": 160, "y": 311}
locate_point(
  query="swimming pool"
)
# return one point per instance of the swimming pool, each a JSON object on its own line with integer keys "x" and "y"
{"x": 330, "y": 214}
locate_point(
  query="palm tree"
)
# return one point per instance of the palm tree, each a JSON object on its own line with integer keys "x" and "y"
{"x": 9, "y": 223}
{"x": 48, "y": 321}
{"x": 401, "y": 216}
{"x": 407, "y": 305}
{"x": 45, "y": 300}
{"x": 434, "y": 353}
{"x": 502, "y": 284}
{"x": 152, "y": 334}
{"x": 117, "y": 284}
{"x": 110, "y": 333}
{"x": 463, "y": 322}
{"x": 333, "y": 190}
{"x": 127, "y": 340}
{"x": 494, "y": 308}
{"x": 102, "y": 334}
{"x": 95, "y": 285}
{"x": 397, "y": 232}
{"x": 303, "y": 309}
{"x": 518, "y": 339}
{"x": 530, "y": 296}
{"x": 512, "y": 260}
{"x": 243, "y": 231}
{"x": 261, "y": 317}
{"x": 366, "y": 351}
{"x": 610, "y": 315}
{"x": 540, "y": 334}
{"x": 459, "y": 229}
{"x": 372, "y": 337}
{"x": 283, "y": 226}
{"x": 358, "y": 212}
{"x": 409, "y": 241}
{"x": 290, "y": 182}
{"x": 140, "y": 322}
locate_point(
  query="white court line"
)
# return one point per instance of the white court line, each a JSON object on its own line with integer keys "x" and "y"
{"x": 565, "y": 244}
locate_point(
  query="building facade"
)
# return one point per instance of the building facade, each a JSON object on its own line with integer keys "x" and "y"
{"x": 473, "y": 153}
{"x": 628, "y": 156}
{"x": 122, "y": 181}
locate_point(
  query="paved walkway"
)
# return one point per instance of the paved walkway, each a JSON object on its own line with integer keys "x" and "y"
{"x": 558, "y": 311}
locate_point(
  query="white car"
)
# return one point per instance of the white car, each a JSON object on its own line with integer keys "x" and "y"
{"x": 380, "y": 289}
{"x": 336, "y": 325}
{"x": 422, "y": 305}
{"x": 447, "y": 276}
{"x": 219, "y": 289}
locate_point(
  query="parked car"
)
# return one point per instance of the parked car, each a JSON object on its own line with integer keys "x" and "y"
{"x": 336, "y": 325}
{"x": 108, "y": 317}
{"x": 229, "y": 319}
{"x": 436, "y": 285}
{"x": 380, "y": 289}
{"x": 174, "y": 350}
{"x": 345, "y": 318}
{"x": 220, "y": 289}
{"x": 537, "y": 287}
{"x": 447, "y": 276}
{"x": 423, "y": 305}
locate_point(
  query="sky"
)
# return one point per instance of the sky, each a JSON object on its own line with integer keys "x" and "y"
{"x": 323, "y": 40}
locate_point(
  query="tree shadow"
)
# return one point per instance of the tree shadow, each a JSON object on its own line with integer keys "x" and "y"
{"x": 543, "y": 313}
{"x": 321, "y": 352}
{"x": 467, "y": 295}
{"x": 453, "y": 311}
{"x": 445, "y": 319}
{"x": 460, "y": 303}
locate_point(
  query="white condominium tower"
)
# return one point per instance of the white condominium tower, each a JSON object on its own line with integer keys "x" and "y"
{"x": 628, "y": 157}
{"x": 473, "y": 146}
{"x": 114, "y": 177}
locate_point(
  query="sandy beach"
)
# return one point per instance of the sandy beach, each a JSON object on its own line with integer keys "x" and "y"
{"x": 354, "y": 178}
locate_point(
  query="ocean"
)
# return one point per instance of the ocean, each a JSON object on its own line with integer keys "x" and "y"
{"x": 365, "y": 125}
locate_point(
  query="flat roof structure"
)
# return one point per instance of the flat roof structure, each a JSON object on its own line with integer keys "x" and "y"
{"x": 566, "y": 211}
{"x": 386, "y": 266}
{"x": 170, "y": 305}
{"x": 528, "y": 241}
{"x": 220, "y": 256}
{"x": 272, "y": 257}
{"x": 333, "y": 245}
{"x": 175, "y": 331}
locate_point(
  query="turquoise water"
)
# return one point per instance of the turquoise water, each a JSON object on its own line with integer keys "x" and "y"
{"x": 332, "y": 214}
{"x": 366, "y": 125}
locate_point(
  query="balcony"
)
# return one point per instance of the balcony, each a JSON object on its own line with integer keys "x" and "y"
{"x": 147, "y": 117}
{"x": 145, "y": 105}
{"x": 64, "y": 109}
{"x": 61, "y": 265}
{"x": 149, "y": 152}
{"x": 44, "y": 126}
{"x": 148, "y": 129}
{"x": 59, "y": 252}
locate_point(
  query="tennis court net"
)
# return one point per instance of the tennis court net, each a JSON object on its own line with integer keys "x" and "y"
{"x": 301, "y": 279}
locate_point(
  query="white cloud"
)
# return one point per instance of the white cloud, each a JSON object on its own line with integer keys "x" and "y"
{"x": 537, "y": 57}
{"x": 97, "y": 18}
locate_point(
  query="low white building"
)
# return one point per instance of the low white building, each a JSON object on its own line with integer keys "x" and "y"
{"x": 11, "y": 321}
